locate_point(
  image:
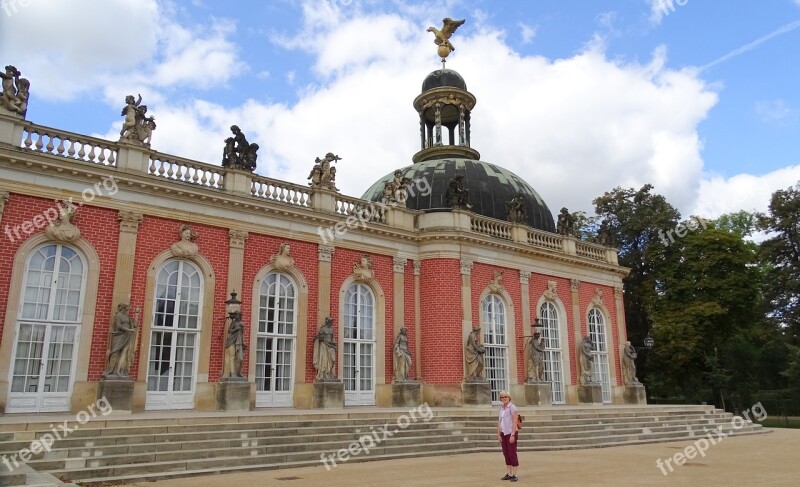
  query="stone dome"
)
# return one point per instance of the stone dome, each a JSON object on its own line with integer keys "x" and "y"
{"x": 490, "y": 187}
{"x": 443, "y": 77}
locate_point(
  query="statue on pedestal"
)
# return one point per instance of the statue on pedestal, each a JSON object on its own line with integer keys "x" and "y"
{"x": 325, "y": 352}
{"x": 16, "y": 91}
{"x": 234, "y": 348}
{"x": 536, "y": 358}
{"x": 515, "y": 209}
{"x": 323, "y": 175}
{"x": 402, "y": 356}
{"x": 587, "y": 359}
{"x": 457, "y": 196}
{"x": 629, "y": 365}
{"x": 566, "y": 223}
{"x": 137, "y": 127}
{"x": 474, "y": 353}
{"x": 123, "y": 343}
{"x": 238, "y": 153}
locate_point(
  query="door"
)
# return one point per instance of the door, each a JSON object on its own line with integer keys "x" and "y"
{"x": 600, "y": 368}
{"x": 47, "y": 331}
{"x": 358, "y": 367}
{"x": 495, "y": 344}
{"x": 553, "y": 370}
{"x": 175, "y": 336}
{"x": 275, "y": 341}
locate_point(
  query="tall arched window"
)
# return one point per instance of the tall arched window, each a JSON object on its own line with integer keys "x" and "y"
{"x": 48, "y": 327}
{"x": 600, "y": 368}
{"x": 172, "y": 364}
{"x": 553, "y": 369}
{"x": 275, "y": 341}
{"x": 495, "y": 343}
{"x": 358, "y": 362}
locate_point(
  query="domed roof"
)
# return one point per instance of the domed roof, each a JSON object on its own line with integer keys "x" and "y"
{"x": 490, "y": 187}
{"x": 443, "y": 77}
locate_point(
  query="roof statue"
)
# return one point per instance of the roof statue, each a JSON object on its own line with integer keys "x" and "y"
{"x": 443, "y": 36}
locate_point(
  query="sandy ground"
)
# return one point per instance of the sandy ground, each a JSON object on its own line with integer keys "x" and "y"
{"x": 759, "y": 460}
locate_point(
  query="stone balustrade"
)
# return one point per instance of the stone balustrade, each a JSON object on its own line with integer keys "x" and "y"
{"x": 140, "y": 160}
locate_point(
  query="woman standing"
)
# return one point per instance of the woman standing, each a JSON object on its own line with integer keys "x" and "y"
{"x": 507, "y": 431}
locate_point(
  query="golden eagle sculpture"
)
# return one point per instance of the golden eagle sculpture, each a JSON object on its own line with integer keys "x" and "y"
{"x": 443, "y": 36}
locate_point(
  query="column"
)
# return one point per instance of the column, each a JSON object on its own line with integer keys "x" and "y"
{"x": 524, "y": 284}
{"x": 399, "y": 292}
{"x": 417, "y": 319}
{"x": 325, "y": 255}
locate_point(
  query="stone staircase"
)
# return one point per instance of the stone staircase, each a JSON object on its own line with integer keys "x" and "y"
{"x": 159, "y": 446}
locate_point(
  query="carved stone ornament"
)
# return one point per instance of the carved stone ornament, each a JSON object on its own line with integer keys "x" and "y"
{"x": 237, "y": 238}
{"x": 323, "y": 174}
{"x": 399, "y": 264}
{"x": 185, "y": 247}
{"x": 137, "y": 126}
{"x": 63, "y": 229}
{"x": 282, "y": 261}
{"x": 362, "y": 271}
{"x": 466, "y": 267}
{"x": 618, "y": 292}
{"x": 238, "y": 153}
{"x": 496, "y": 285}
{"x": 129, "y": 221}
{"x": 597, "y": 300}
{"x": 325, "y": 253}
{"x": 16, "y": 91}
{"x": 4, "y": 197}
{"x": 417, "y": 267}
{"x": 550, "y": 293}
{"x": 524, "y": 277}
{"x": 576, "y": 284}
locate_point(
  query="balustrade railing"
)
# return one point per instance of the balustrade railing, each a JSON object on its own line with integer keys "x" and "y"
{"x": 547, "y": 240}
{"x": 591, "y": 251}
{"x": 280, "y": 191}
{"x": 186, "y": 170}
{"x": 67, "y": 144}
{"x": 369, "y": 211}
{"x": 491, "y": 227}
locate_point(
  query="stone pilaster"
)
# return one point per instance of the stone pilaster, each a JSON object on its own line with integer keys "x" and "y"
{"x": 524, "y": 284}
{"x": 126, "y": 253}
{"x": 236, "y": 242}
{"x": 4, "y": 197}
{"x": 575, "y": 286}
{"x": 324, "y": 282}
{"x": 417, "y": 318}
{"x": 399, "y": 296}
{"x": 466, "y": 303}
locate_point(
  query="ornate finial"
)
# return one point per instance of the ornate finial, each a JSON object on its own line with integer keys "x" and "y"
{"x": 443, "y": 36}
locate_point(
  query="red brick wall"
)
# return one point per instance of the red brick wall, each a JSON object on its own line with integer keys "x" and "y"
{"x": 442, "y": 351}
{"x": 97, "y": 225}
{"x": 587, "y": 292}
{"x": 257, "y": 252}
{"x": 341, "y": 269}
{"x": 155, "y": 236}
{"x": 538, "y": 285}
{"x": 482, "y": 275}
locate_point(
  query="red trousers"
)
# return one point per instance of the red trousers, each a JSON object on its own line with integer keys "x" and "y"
{"x": 510, "y": 449}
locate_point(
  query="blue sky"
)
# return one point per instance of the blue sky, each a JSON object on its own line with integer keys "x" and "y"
{"x": 576, "y": 96}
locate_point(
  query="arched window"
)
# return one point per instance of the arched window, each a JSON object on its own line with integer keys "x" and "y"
{"x": 172, "y": 364}
{"x": 358, "y": 363}
{"x": 275, "y": 341}
{"x": 600, "y": 367}
{"x": 553, "y": 369}
{"x": 48, "y": 327}
{"x": 493, "y": 324}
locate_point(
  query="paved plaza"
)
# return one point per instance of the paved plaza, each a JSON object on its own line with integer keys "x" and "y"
{"x": 756, "y": 460}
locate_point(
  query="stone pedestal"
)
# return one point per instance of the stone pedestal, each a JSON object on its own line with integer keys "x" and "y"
{"x": 118, "y": 393}
{"x": 634, "y": 394}
{"x": 590, "y": 394}
{"x": 233, "y": 394}
{"x": 328, "y": 394}
{"x": 538, "y": 394}
{"x": 476, "y": 393}
{"x": 406, "y": 394}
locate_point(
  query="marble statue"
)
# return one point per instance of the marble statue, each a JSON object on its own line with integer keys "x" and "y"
{"x": 629, "y": 365}
{"x": 123, "y": 343}
{"x": 475, "y": 355}
{"x": 566, "y": 223}
{"x": 515, "y": 209}
{"x": 395, "y": 192}
{"x": 282, "y": 261}
{"x": 234, "y": 347}
{"x": 604, "y": 235}
{"x": 185, "y": 247}
{"x": 457, "y": 196}
{"x": 323, "y": 175}
{"x": 15, "y": 92}
{"x": 137, "y": 126}
{"x": 587, "y": 359}
{"x": 238, "y": 153}
{"x": 64, "y": 229}
{"x": 402, "y": 356}
{"x": 536, "y": 358}
{"x": 325, "y": 352}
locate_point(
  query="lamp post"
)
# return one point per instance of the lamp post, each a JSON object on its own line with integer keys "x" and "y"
{"x": 233, "y": 306}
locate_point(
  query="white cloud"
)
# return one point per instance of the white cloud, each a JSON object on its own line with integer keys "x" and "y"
{"x": 718, "y": 195}
{"x": 773, "y": 110}
{"x": 527, "y": 32}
